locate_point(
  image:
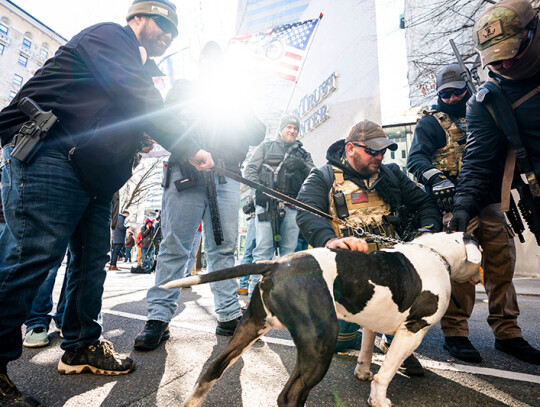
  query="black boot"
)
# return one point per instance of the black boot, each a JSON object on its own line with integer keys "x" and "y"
{"x": 461, "y": 348}
{"x": 11, "y": 396}
{"x": 519, "y": 348}
{"x": 412, "y": 367}
{"x": 227, "y": 328}
{"x": 154, "y": 333}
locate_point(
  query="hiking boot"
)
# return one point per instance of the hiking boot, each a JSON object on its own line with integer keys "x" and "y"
{"x": 412, "y": 367}
{"x": 154, "y": 333}
{"x": 10, "y": 396}
{"x": 98, "y": 358}
{"x": 113, "y": 268}
{"x": 519, "y": 348}
{"x": 227, "y": 328}
{"x": 461, "y": 348}
{"x": 36, "y": 338}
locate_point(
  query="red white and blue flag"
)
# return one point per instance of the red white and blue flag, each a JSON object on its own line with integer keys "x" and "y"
{"x": 280, "y": 49}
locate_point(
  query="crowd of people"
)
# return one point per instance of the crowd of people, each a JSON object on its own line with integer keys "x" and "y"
{"x": 463, "y": 155}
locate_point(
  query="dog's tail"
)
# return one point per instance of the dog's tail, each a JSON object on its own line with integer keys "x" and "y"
{"x": 260, "y": 267}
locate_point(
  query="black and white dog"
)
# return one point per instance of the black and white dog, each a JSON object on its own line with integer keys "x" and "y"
{"x": 401, "y": 291}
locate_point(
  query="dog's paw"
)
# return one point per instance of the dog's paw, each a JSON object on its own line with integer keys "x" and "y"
{"x": 362, "y": 372}
{"x": 385, "y": 403}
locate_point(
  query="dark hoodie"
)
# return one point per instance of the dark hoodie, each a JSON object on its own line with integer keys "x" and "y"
{"x": 393, "y": 185}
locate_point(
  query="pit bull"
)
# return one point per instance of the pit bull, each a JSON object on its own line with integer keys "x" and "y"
{"x": 401, "y": 291}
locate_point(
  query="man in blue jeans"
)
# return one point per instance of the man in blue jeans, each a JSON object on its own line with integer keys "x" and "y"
{"x": 118, "y": 239}
{"x": 99, "y": 86}
{"x": 186, "y": 200}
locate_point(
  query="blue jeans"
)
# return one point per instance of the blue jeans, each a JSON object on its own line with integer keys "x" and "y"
{"x": 128, "y": 255}
{"x": 264, "y": 248}
{"x": 43, "y": 304}
{"x": 181, "y": 215}
{"x": 116, "y": 249}
{"x": 193, "y": 253}
{"x": 249, "y": 245}
{"x": 56, "y": 211}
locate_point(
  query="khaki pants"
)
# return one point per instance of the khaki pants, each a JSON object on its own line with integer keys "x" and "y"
{"x": 499, "y": 258}
{"x": 139, "y": 256}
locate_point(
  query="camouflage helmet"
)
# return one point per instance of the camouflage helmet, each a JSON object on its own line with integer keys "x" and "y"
{"x": 497, "y": 33}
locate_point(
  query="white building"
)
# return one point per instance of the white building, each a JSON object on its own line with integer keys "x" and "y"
{"x": 25, "y": 44}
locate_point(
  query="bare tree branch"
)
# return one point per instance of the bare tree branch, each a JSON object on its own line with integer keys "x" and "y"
{"x": 136, "y": 189}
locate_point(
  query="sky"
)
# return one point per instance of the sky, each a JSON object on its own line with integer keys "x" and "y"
{"x": 204, "y": 20}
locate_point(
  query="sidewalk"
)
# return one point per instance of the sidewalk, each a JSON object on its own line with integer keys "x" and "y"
{"x": 524, "y": 286}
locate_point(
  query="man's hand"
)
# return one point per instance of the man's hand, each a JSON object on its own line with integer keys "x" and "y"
{"x": 459, "y": 221}
{"x": 349, "y": 243}
{"x": 147, "y": 144}
{"x": 202, "y": 160}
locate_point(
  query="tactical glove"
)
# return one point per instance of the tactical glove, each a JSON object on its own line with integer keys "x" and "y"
{"x": 444, "y": 191}
{"x": 459, "y": 221}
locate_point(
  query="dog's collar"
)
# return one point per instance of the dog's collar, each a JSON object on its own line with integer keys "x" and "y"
{"x": 440, "y": 256}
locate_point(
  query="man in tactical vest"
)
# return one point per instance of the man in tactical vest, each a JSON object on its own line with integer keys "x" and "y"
{"x": 281, "y": 164}
{"x": 503, "y": 123}
{"x": 191, "y": 197}
{"x": 355, "y": 186}
{"x": 435, "y": 160}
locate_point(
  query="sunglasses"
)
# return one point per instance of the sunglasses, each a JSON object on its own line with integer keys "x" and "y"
{"x": 447, "y": 94}
{"x": 165, "y": 25}
{"x": 368, "y": 150}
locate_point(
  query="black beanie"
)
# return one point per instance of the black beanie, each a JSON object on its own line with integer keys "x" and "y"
{"x": 289, "y": 119}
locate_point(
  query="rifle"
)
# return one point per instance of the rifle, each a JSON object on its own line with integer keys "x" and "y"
{"x": 210, "y": 184}
{"x": 31, "y": 134}
{"x": 512, "y": 214}
{"x": 530, "y": 209}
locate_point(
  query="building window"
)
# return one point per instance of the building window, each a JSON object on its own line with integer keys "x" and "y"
{"x": 2, "y": 46}
{"x": 392, "y": 155}
{"x": 3, "y": 29}
{"x": 17, "y": 80}
{"x": 43, "y": 53}
{"x": 22, "y": 60}
{"x": 12, "y": 94}
{"x": 403, "y": 154}
{"x": 26, "y": 42}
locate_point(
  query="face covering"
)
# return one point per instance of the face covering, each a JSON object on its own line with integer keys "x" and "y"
{"x": 458, "y": 109}
{"x": 528, "y": 65}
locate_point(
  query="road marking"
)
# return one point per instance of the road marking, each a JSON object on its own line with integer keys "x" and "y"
{"x": 426, "y": 362}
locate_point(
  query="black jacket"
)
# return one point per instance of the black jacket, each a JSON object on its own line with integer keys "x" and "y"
{"x": 486, "y": 148}
{"x": 429, "y": 136}
{"x": 393, "y": 185}
{"x": 105, "y": 99}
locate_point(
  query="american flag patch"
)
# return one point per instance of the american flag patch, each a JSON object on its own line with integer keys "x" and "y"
{"x": 359, "y": 197}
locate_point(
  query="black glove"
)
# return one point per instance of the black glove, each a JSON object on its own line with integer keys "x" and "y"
{"x": 261, "y": 198}
{"x": 249, "y": 206}
{"x": 459, "y": 221}
{"x": 444, "y": 191}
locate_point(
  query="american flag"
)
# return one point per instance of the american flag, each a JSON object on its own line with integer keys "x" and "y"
{"x": 280, "y": 49}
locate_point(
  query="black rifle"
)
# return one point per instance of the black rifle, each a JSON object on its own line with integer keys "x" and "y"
{"x": 210, "y": 184}
{"x": 512, "y": 214}
{"x": 32, "y": 132}
{"x": 530, "y": 209}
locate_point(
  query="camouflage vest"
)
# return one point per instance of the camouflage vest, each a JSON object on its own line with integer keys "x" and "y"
{"x": 448, "y": 158}
{"x": 366, "y": 209}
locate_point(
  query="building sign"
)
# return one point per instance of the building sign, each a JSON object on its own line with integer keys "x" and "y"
{"x": 310, "y": 105}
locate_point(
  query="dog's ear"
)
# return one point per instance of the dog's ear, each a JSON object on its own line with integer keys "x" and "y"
{"x": 473, "y": 249}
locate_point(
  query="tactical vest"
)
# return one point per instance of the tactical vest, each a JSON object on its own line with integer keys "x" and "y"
{"x": 284, "y": 173}
{"x": 448, "y": 158}
{"x": 366, "y": 209}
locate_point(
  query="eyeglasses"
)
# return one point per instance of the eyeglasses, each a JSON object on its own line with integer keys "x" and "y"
{"x": 368, "y": 150}
{"x": 165, "y": 25}
{"x": 447, "y": 94}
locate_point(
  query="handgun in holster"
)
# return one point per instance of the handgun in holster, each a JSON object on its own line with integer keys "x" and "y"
{"x": 31, "y": 134}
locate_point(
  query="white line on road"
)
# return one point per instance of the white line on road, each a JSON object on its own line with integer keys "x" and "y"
{"x": 428, "y": 363}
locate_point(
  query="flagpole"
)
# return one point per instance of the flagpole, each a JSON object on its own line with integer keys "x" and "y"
{"x": 304, "y": 62}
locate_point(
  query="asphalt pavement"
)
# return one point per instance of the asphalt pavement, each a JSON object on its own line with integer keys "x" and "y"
{"x": 165, "y": 376}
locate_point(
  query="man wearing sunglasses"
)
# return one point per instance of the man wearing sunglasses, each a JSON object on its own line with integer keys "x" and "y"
{"x": 435, "y": 159}
{"x": 99, "y": 86}
{"x": 507, "y": 39}
{"x": 354, "y": 185}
